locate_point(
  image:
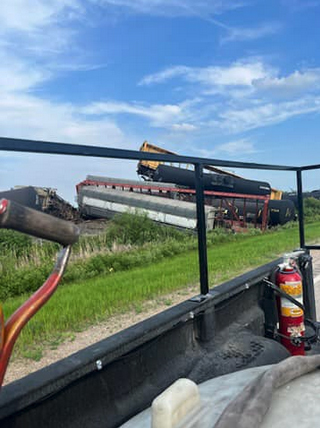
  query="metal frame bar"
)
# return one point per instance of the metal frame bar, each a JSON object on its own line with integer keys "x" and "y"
{"x": 56, "y": 148}
{"x": 309, "y": 167}
{"x": 300, "y": 208}
{"x": 201, "y": 229}
{"x": 48, "y": 147}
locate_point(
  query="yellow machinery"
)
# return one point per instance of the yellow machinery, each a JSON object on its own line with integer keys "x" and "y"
{"x": 152, "y": 165}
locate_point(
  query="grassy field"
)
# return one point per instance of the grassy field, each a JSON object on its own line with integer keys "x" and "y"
{"x": 127, "y": 242}
{"x": 82, "y": 303}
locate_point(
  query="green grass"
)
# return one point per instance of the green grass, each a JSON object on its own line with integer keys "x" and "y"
{"x": 79, "y": 304}
{"x": 312, "y": 209}
{"x": 128, "y": 241}
{"x": 16, "y": 280}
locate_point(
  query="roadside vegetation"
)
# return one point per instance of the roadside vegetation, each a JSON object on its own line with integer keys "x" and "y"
{"x": 312, "y": 209}
{"x": 133, "y": 261}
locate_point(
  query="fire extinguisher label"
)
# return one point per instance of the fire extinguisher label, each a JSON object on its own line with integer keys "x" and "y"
{"x": 294, "y": 289}
{"x": 296, "y": 330}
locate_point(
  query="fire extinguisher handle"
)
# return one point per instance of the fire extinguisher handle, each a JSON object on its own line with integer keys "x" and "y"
{"x": 23, "y": 219}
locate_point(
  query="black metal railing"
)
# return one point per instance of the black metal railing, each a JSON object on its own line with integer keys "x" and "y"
{"x": 46, "y": 147}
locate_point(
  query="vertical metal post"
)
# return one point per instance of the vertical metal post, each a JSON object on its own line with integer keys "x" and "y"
{"x": 202, "y": 239}
{"x": 300, "y": 209}
{"x": 233, "y": 213}
{"x": 264, "y": 223}
{"x": 256, "y": 216}
{"x": 306, "y": 260}
{"x": 244, "y": 212}
{"x": 309, "y": 301}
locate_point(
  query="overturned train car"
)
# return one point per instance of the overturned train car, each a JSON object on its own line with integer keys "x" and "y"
{"x": 279, "y": 211}
{"x": 100, "y": 202}
{"x": 227, "y": 208}
{"x": 215, "y": 182}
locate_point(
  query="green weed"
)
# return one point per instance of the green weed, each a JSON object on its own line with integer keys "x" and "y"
{"x": 34, "y": 353}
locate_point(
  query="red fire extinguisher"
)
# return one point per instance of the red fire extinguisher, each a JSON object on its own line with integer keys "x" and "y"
{"x": 291, "y": 317}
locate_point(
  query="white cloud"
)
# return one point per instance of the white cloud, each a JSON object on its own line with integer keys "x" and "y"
{"x": 174, "y": 7}
{"x": 35, "y": 36}
{"x": 27, "y": 116}
{"x": 240, "y": 78}
{"x": 36, "y": 41}
{"x": 38, "y": 27}
{"x": 239, "y": 73}
{"x": 39, "y": 32}
{"x": 162, "y": 115}
{"x": 240, "y": 120}
{"x": 300, "y": 5}
{"x": 166, "y": 74}
{"x": 237, "y": 34}
{"x": 19, "y": 75}
{"x": 236, "y": 147}
{"x": 183, "y": 127}
{"x": 244, "y": 95}
{"x": 293, "y": 84}
{"x": 233, "y": 102}
{"x": 31, "y": 15}
{"x": 204, "y": 9}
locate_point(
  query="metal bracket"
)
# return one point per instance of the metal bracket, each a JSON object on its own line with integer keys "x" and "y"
{"x": 201, "y": 297}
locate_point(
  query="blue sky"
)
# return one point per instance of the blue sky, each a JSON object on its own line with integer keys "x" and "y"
{"x": 225, "y": 79}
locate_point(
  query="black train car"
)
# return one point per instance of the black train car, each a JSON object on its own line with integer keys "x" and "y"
{"x": 23, "y": 195}
{"x": 294, "y": 197}
{"x": 215, "y": 182}
{"x": 279, "y": 212}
